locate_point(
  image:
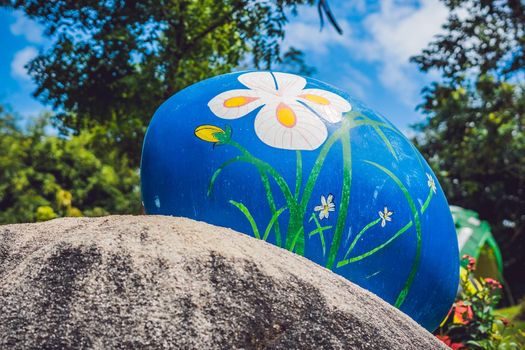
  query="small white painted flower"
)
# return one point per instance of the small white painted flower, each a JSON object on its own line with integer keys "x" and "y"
{"x": 290, "y": 117}
{"x": 327, "y": 205}
{"x": 431, "y": 183}
{"x": 385, "y": 216}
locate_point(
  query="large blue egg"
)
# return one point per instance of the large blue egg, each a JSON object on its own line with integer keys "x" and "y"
{"x": 302, "y": 165}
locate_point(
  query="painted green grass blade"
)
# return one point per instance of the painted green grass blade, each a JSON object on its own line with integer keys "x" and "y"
{"x": 404, "y": 292}
{"x": 320, "y": 229}
{"x": 418, "y": 155}
{"x": 265, "y": 171}
{"x": 344, "y": 202}
{"x": 300, "y": 209}
{"x": 398, "y": 233}
{"x": 247, "y": 157}
{"x": 263, "y": 166}
{"x": 316, "y": 169}
{"x": 219, "y": 169}
{"x": 376, "y": 249}
{"x": 273, "y": 220}
{"x": 296, "y": 236}
{"x": 267, "y": 188}
{"x": 266, "y": 184}
{"x": 249, "y": 216}
{"x": 298, "y": 174}
{"x": 264, "y": 178}
{"x": 378, "y": 126}
{"x": 354, "y": 242}
{"x": 271, "y": 203}
{"x": 385, "y": 140}
{"x": 327, "y": 146}
{"x": 276, "y": 176}
{"x": 364, "y": 120}
{"x": 352, "y": 116}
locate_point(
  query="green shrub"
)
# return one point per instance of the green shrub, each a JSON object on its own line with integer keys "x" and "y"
{"x": 472, "y": 322}
{"x": 45, "y": 176}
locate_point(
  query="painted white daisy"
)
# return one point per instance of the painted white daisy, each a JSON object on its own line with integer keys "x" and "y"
{"x": 327, "y": 205}
{"x": 431, "y": 183}
{"x": 290, "y": 117}
{"x": 385, "y": 216}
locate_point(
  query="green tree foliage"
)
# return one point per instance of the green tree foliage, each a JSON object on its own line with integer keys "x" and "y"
{"x": 112, "y": 63}
{"x": 475, "y": 131}
{"x": 43, "y": 177}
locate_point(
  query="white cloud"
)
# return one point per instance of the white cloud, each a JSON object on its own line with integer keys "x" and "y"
{"x": 400, "y": 31}
{"x": 396, "y": 33}
{"x": 354, "y": 82}
{"x": 31, "y": 30}
{"x": 303, "y": 32}
{"x": 387, "y": 38}
{"x": 20, "y": 60}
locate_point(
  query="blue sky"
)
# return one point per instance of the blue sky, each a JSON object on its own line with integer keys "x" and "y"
{"x": 20, "y": 40}
{"x": 370, "y": 59}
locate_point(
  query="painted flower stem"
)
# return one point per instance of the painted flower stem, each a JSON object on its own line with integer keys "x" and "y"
{"x": 427, "y": 202}
{"x": 385, "y": 140}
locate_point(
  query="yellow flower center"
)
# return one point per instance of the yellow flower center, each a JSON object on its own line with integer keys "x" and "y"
{"x": 286, "y": 116}
{"x": 238, "y": 101}
{"x": 316, "y": 99}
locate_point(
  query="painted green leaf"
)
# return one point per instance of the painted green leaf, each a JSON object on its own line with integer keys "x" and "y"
{"x": 249, "y": 216}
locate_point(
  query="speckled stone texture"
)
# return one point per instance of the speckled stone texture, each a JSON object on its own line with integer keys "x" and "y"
{"x": 154, "y": 282}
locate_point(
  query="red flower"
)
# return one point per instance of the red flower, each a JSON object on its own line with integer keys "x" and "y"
{"x": 505, "y": 321}
{"x": 457, "y": 346}
{"x": 471, "y": 266}
{"x": 446, "y": 339}
{"x": 462, "y": 313}
{"x": 492, "y": 283}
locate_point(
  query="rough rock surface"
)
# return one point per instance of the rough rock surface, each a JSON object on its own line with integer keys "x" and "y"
{"x": 149, "y": 282}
